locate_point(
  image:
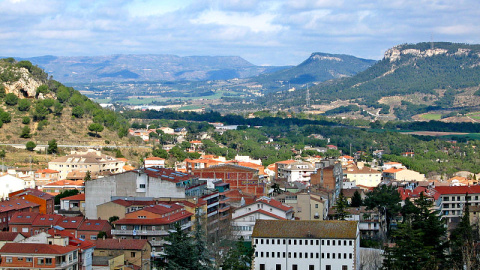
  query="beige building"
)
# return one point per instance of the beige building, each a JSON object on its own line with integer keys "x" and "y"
{"x": 395, "y": 174}
{"x": 362, "y": 175}
{"x": 90, "y": 160}
{"x": 307, "y": 206}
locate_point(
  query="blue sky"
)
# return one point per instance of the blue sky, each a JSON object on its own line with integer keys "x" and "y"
{"x": 268, "y": 32}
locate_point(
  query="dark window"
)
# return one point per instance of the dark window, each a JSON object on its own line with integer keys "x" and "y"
{"x": 294, "y": 242}
{"x": 283, "y": 255}
{"x": 294, "y": 255}
{"x": 278, "y": 241}
{"x": 256, "y": 254}
{"x": 261, "y": 241}
{"x": 306, "y": 254}
{"x": 328, "y": 255}
{"x": 289, "y": 254}
{"x": 278, "y": 255}
{"x": 311, "y": 255}
{"x": 323, "y": 255}
{"x": 261, "y": 254}
{"x": 339, "y": 255}
{"x": 350, "y": 255}
{"x": 262, "y": 266}
{"x": 300, "y": 255}
{"x": 317, "y": 242}
{"x": 294, "y": 267}
{"x": 300, "y": 242}
{"x": 350, "y": 243}
{"x": 323, "y": 242}
{"x": 311, "y": 242}
{"x": 328, "y": 242}
{"x": 317, "y": 255}
{"x": 327, "y": 267}
{"x": 311, "y": 267}
{"x": 333, "y": 255}
{"x": 256, "y": 241}
{"x": 344, "y": 255}
{"x": 273, "y": 254}
{"x": 267, "y": 254}
{"x": 284, "y": 241}
{"x": 333, "y": 242}
{"x": 278, "y": 267}
{"x": 344, "y": 267}
{"x": 267, "y": 242}
{"x": 289, "y": 241}
{"x": 344, "y": 242}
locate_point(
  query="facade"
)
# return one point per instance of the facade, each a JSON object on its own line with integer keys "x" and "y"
{"x": 38, "y": 256}
{"x": 62, "y": 185}
{"x": 135, "y": 251}
{"x": 89, "y": 229}
{"x": 307, "y": 206}
{"x": 362, "y": 175}
{"x": 73, "y": 205}
{"x": 244, "y": 218}
{"x": 45, "y": 176}
{"x": 371, "y": 223}
{"x": 10, "y": 183}
{"x": 450, "y": 200}
{"x": 148, "y": 183}
{"x": 238, "y": 177}
{"x": 329, "y": 176}
{"x": 9, "y": 208}
{"x": 401, "y": 174}
{"x": 45, "y": 200}
{"x": 90, "y": 160}
{"x": 154, "y": 162}
{"x": 311, "y": 245}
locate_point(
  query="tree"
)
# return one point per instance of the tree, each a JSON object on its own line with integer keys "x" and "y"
{"x": 11, "y": 99}
{"x": 113, "y": 219}
{"x": 24, "y": 105}
{"x": 384, "y": 198}
{"x": 202, "y": 257}
{"x": 341, "y": 205}
{"x": 356, "y": 199}
{"x": 25, "y": 132}
{"x": 239, "y": 257}
{"x": 52, "y": 147}
{"x": 66, "y": 193}
{"x": 159, "y": 152}
{"x": 87, "y": 177}
{"x": 3, "y": 153}
{"x": 179, "y": 250}
{"x": 30, "y": 145}
{"x": 77, "y": 112}
{"x": 463, "y": 244}
{"x": 42, "y": 89}
{"x": 95, "y": 127}
{"x": 25, "y": 120}
{"x": 40, "y": 111}
{"x": 101, "y": 234}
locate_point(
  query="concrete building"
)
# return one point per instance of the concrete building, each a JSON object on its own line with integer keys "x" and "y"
{"x": 9, "y": 183}
{"x": 149, "y": 183}
{"x": 311, "y": 245}
{"x": 136, "y": 252}
{"x": 154, "y": 162}
{"x": 362, "y": 175}
{"x": 90, "y": 160}
{"x": 401, "y": 174}
{"x": 297, "y": 171}
{"x": 46, "y": 201}
{"x": 307, "y": 206}
{"x": 450, "y": 201}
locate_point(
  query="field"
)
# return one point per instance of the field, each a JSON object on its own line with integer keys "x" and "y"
{"x": 431, "y": 116}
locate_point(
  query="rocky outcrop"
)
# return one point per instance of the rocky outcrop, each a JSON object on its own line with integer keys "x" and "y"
{"x": 25, "y": 87}
{"x": 396, "y": 53}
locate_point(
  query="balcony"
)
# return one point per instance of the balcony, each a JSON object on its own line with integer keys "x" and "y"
{"x": 139, "y": 232}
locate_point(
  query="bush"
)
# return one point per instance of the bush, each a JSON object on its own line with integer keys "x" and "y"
{"x": 11, "y": 99}
{"x": 25, "y": 132}
{"x": 26, "y": 120}
{"x": 77, "y": 112}
{"x": 30, "y": 145}
{"x": 24, "y": 105}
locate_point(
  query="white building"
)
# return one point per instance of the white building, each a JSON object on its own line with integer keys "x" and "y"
{"x": 362, "y": 175}
{"x": 154, "y": 162}
{"x": 10, "y": 183}
{"x": 264, "y": 208}
{"x": 306, "y": 245}
{"x": 295, "y": 171}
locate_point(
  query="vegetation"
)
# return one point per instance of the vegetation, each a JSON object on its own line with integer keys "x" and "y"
{"x": 64, "y": 194}
{"x": 30, "y": 146}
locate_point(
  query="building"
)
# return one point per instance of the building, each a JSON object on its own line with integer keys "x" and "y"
{"x": 45, "y": 176}
{"x": 63, "y": 185}
{"x": 238, "y": 177}
{"x": 312, "y": 245}
{"x": 45, "y": 200}
{"x": 402, "y": 174}
{"x": 90, "y": 160}
{"x": 149, "y": 183}
{"x": 195, "y": 164}
{"x": 362, "y": 175}
{"x": 307, "y": 206}
{"x": 329, "y": 176}
{"x": 10, "y": 184}
{"x": 10, "y": 237}
{"x": 9, "y": 208}
{"x": 73, "y": 205}
{"x": 135, "y": 251}
{"x": 120, "y": 207}
{"x": 371, "y": 223}
{"x": 90, "y": 228}
{"x": 153, "y": 223}
{"x": 243, "y": 218}
{"x": 450, "y": 200}
{"x": 38, "y": 256}
{"x": 154, "y": 162}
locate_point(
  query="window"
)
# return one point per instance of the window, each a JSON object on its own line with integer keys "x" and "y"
{"x": 8, "y": 259}
{"x": 278, "y": 255}
{"x": 93, "y": 237}
{"x": 20, "y": 259}
{"x": 261, "y": 254}
{"x": 289, "y": 254}
{"x": 294, "y": 267}
{"x": 123, "y": 227}
{"x": 311, "y": 267}
{"x": 344, "y": 255}
{"x": 339, "y": 242}
{"x": 311, "y": 255}
{"x": 48, "y": 261}
{"x": 14, "y": 229}
{"x": 256, "y": 241}
{"x": 142, "y": 185}
{"x": 266, "y": 253}
{"x": 294, "y": 242}
{"x": 333, "y": 242}
{"x": 316, "y": 205}
{"x": 295, "y": 255}
{"x": 278, "y": 241}
{"x": 344, "y": 267}
{"x": 300, "y": 255}
{"x": 323, "y": 242}
{"x": 132, "y": 254}
{"x": 261, "y": 241}
{"x": 328, "y": 255}
{"x": 333, "y": 255}
{"x": 262, "y": 266}
{"x": 317, "y": 255}
{"x": 350, "y": 255}
{"x": 311, "y": 242}
{"x": 29, "y": 259}
{"x": 283, "y": 255}
{"x": 278, "y": 267}
{"x": 40, "y": 260}
{"x": 268, "y": 241}
{"x": 328, "y": 242}
{"x": 350, "y": 242}
{"x": 328, "y": 267}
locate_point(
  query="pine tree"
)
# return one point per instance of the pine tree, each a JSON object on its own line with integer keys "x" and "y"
{"x": 341, "y": 205}
{"x": 356, "y": 199}
{"x": 202, "y": 255}
{"x": 239, "y": 257}
{"x": 179, "y": 252}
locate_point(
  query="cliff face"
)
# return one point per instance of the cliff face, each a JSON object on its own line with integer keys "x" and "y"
{"x": 396, "y": 53}
{"x": 25, "y": 86}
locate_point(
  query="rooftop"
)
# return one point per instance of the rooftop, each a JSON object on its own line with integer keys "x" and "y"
{"x": 320, "y": 229}
{"x": 29, "y": 248}
{"x": 122, "y": 244}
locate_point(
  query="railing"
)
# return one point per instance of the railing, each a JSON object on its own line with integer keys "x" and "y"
{"x": 139, "y": 232}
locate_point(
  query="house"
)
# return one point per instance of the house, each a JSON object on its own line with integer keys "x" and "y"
{"x": 9, "y": 208}
{"x": 38, "y": 256}
{"x": 85, "y": 248}
{"x": 153, "y": 223}
{"x": 90, "y": 160}
{"x": 63, "y": 185}
{"x": 329, "y": 176}
{"x": 307, "y": 206}
{"x": 401, "y": 174}
{"x": 389, "y": 165}
{"x": 135, "y": 251}
{"x": 90, "y": 228}
{"x": 9, "y": 183}
{"x": 10, "y": 237}
{"x": 73, "y": 205}
{"x": 195, "y": 164}
{"x": 345, "y": 160}
{"x": 244, "y": 217}
{"x": 306, "y": 244}
{"x": 120, "y": 207}
{"x": 450, "y": 200}
{"x": 371, "y": 223}
{"x": 45, "y": 176}
{"x": 45, "y": 200}
{"x": 154, "y": 162}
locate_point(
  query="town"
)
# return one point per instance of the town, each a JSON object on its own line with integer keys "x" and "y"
{"x": 90, "y": 210}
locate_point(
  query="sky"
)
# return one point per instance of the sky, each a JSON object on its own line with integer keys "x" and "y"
{"x": 263, "y": 32}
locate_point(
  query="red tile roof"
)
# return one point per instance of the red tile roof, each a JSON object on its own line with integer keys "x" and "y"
{"x": 16, "y": 204}
{"x": 392, "y": 170}
{"x": 78, "y": 197}
{"x": 286, "y": 161}
{"x": 45, "y": 220}
{"x": 127, "y": 203}
{"x": 70, "y": 222}
{"x": 155, "y": 221}
{"x": 23, "y": 218}
{"x": 47, "y": 171}
{"x": 154, "y": 158}
{"x": 66, "y": 183}
{"x": 262, "y": 212}
{"x": 8, "y": 236}
{"x": 458, "y": 190}
{"x": 29, "y": 248}
{"x": 274, "y": 203}
{"x": 161, "y": 209}
{"x": 94, "y": 225}
{"x": 72, "y": 240}
{"x": 122, "y": 244}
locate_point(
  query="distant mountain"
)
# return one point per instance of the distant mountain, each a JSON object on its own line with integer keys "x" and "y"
{"x": 121, "y": 68}
{"x": 410, "y": 78}
{"x": 318, "y": 67}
